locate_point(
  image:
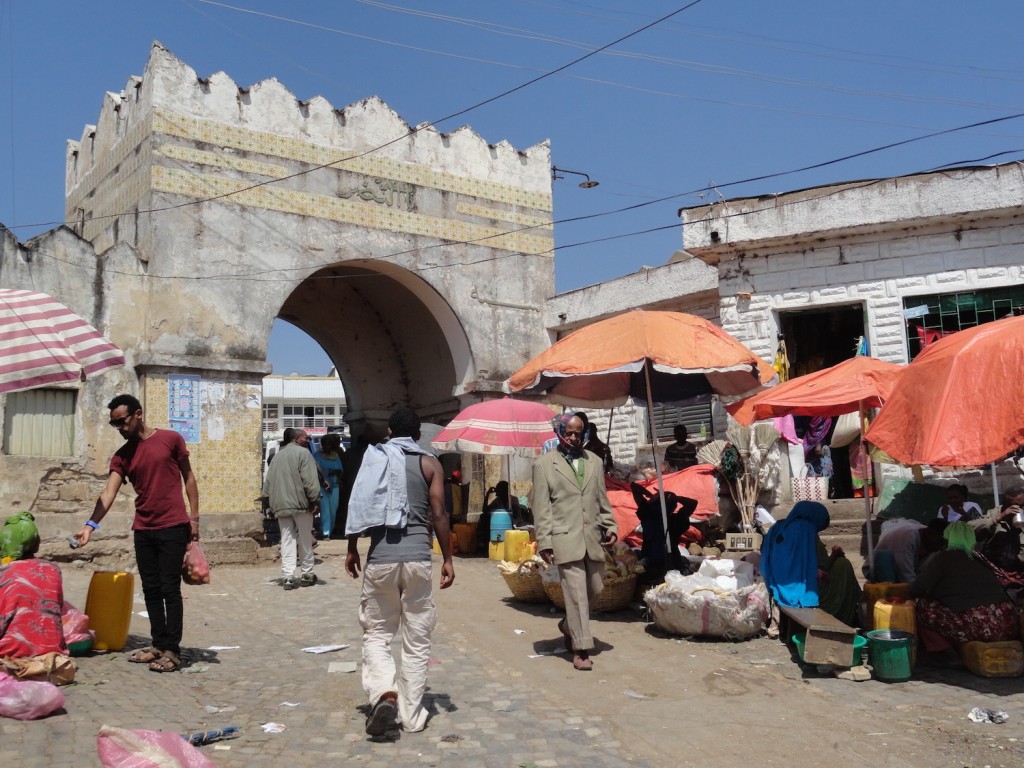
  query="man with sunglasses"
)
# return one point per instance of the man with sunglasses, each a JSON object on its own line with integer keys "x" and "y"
{"x": 575, "y": 524}
{"x": 156, "y": 463}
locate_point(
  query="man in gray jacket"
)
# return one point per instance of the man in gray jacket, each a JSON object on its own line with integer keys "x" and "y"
{"x": 292, "y": 487}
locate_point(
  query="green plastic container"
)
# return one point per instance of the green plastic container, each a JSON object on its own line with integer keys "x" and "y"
{"x": 859, "y": 643}
{"x": 890, "y": 651}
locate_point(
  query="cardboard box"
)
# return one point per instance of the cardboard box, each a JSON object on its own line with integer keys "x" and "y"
{"x": 743, "y": 541}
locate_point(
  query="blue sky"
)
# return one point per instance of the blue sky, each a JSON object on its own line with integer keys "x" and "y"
{"x": 676, "y": 115}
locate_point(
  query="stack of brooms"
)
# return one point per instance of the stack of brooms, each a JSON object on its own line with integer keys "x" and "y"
{"x": 747, "y": 460}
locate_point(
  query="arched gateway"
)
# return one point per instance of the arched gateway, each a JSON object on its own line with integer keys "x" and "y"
{"x": 419, "y": 261}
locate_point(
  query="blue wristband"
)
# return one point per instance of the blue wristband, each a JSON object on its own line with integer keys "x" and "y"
{"x": 91, "y": 524}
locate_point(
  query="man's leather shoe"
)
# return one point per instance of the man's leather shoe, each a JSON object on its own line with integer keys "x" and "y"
{"x": 582, "y": 662}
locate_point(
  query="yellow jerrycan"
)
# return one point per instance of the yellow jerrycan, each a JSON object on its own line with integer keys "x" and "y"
{"x": 109, "y": 608}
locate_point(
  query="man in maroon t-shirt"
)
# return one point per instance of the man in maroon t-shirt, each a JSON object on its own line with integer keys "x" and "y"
{"x": 155, "y": 461}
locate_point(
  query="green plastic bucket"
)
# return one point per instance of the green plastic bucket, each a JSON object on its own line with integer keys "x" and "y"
{"x": 890, "y": 652}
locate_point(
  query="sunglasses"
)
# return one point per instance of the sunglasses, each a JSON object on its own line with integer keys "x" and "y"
{"x": 118, "y": 423}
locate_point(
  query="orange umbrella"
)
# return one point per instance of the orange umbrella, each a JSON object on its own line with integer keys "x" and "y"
{"x": 854, "y": 384}
{"x": 603, "y": 364}
{"x": 658, "y": 356}
{"x": 960, "y": 403}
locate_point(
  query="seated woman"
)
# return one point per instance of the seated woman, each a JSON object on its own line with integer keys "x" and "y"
{"x": 959, "y": 598}
{"x": 801, "y": 573}
{"x": 31, "y": 594}
{"x": 957, "y": 507}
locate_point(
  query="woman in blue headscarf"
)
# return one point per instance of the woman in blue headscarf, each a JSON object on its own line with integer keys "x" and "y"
{"x": 801, "y": 573}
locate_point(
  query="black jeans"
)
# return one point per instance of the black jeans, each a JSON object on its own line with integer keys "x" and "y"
{"x": 159, "y": 555}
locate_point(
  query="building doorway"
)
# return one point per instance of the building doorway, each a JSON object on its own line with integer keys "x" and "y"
{"x": 817, "y": 339}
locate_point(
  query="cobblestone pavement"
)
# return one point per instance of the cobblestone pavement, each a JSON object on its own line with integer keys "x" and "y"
{"x": 652, "y": 700}
{"x": 480, "y": 719}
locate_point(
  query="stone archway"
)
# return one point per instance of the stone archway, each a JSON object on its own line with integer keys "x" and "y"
{"x": 393, "y": 339}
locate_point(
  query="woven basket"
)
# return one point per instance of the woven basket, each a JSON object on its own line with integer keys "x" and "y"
{"x": 526, "y": 585}
{"x": 616, "y": 595}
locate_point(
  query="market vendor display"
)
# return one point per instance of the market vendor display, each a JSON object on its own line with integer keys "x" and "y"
{"x": 959, "y": 598}
{"x": 31, "y": 594}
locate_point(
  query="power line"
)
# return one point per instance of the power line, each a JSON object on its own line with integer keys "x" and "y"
{"x": 410, "y": 132}
{"x": 382, "y": 266}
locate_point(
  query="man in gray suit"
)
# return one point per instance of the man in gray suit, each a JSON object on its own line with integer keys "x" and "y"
{"x": 574, "y": 522}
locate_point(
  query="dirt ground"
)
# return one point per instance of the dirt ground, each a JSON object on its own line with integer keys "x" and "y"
{"x": 677, "y": 701}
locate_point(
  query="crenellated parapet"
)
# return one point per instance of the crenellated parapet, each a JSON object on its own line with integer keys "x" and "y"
{"x": 267, "y": 117}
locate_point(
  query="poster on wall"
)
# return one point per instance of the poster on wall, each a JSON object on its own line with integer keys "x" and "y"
{"x": 183, "y": 405}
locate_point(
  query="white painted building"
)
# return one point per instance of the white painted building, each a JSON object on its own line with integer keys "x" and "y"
{"x": 312, "y": 403}
{"x": 899, "y": 260}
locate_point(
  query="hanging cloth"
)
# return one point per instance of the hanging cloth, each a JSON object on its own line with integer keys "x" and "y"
{"x": 781, "y": 362}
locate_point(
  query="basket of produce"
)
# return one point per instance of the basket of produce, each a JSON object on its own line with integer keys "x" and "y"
{"x": 524, "y": 580}
{"x": 620, "y": 577}
{"x": 617, "y": 593}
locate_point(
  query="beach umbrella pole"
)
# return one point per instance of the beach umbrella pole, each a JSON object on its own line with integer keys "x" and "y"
{"x": 654, "y": 454}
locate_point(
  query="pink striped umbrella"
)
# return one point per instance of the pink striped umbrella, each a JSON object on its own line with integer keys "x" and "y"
{"x": 43, "y": 342}
{"x": 503, "y": 426}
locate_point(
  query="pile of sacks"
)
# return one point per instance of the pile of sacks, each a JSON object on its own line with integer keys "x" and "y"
{"x": 721, "y": 600}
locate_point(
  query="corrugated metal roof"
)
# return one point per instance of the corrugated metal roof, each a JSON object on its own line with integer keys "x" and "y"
{"x": 302, "y": 388}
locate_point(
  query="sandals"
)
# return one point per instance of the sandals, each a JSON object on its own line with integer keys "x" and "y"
{"x": 168, "y": 662}
{"x": 146, "y": 655}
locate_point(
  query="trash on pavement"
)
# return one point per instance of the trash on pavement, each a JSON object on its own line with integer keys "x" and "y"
{"x": 979, "y": 715}
{"x": 325, "y": 648}
{"x": 208, "y": 737}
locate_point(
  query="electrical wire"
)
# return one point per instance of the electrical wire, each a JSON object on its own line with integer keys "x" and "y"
{"x": 410, "y": 132}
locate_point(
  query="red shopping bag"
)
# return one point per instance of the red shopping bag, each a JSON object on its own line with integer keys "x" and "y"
{"x": 196, "y": 568}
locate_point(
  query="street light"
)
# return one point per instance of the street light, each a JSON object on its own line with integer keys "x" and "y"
{"x": 588, "y": 184}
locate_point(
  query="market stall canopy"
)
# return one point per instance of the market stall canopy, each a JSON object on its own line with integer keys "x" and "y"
{"x": 42, "y": 342}
{"x": 960, "y": 403}
{"x": 602, "y": 365}
{"x": 860, "y": 382}
{"x": 505, "y": 426}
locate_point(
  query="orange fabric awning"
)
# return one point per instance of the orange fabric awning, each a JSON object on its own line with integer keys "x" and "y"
{"x": 843, "y": 388}
{"x": 960, "y": 403}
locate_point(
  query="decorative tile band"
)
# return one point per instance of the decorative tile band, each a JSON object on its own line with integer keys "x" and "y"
{"x": 210, "y": 132}
{"x": 201, "y": 157}
{"x": 522, "y": 219}
{"x": 276, "y": 198}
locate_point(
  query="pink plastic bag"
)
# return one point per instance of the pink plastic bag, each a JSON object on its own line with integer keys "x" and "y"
{"x": 124, "y": 748}
{"x": 196, "y": 568}
{"x": 76, "y": 625}
{"x": 28, "y": 699}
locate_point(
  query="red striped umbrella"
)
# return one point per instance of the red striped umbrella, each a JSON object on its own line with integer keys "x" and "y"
{"x": 43, "y": 342}
{"x": 503, "y": 426}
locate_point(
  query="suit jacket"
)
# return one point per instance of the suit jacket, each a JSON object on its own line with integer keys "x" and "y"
{"x": 569, "y": 519}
